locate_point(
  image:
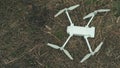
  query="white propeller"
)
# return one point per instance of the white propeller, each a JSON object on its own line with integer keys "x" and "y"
{"x": 60, "y": 12}
{"x": 67, "y": 53}
{"x": 98, "y": 47}
{"x": 73, "y": 7}
{"x": 103, "y": 10}
{"x": 64, "y": 50}
{"x": 89, "y": 15}
{"x": 86, "y": 57}
{"x": 92, "y": 53}
{"x": 95, "y": 12}
{"x": 53, "y": 46}
{"x": 65, "y": 9}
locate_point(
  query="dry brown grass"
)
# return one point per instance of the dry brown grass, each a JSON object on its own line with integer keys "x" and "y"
{"x": 26, "y": 26}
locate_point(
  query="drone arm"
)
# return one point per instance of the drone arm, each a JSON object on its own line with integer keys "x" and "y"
{"x": 90, "y": 21}
{"x": 66, "y": 42}
{"x": 69, "y": 17}
{"x": 90, "y": 49}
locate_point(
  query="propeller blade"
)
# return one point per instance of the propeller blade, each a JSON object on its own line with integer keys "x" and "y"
{"x": 73, "y": 7}
{"x": 103, "y": 10}
{"x": 53, "y": 46}
{"x": 68, "y": 54}
{"x": 85, "y": 58}
{"x": 60, "y": 12}
{"x": 89, "y": 15}
{"x": 98, "y": 47}
{"x": 93, "y": 13}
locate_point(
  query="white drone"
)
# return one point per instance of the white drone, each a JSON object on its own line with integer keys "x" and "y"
{"x": 79, "y": 31}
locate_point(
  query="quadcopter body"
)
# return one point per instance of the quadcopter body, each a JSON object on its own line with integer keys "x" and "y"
{"x": 81, "y": 31}
{"x": 84, "y": 31}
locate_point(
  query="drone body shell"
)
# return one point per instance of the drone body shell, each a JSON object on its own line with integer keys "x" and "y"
{"x": 81, "y": 31}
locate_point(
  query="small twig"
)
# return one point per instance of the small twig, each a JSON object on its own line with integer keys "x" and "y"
{"x": 117, "y": 57}
{"x": 118, "y": 19}
{"x": 117, "y": 33}
{"x": 53, "y": 36}
{"x": 33, "y": 48}
{"x": 43, "y": 54}
{"x": 39, "y": 63}
{"x": 11, "y": 61}
{"x": 15, "y": 59}
{"x": 48, "y": 27}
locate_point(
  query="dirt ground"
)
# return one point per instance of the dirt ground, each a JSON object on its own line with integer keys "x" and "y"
{"x": 26, "y": 26}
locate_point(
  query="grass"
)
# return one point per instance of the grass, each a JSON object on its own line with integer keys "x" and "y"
{"x": 116, "y": 8}
{"x": 24, "y": 35}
